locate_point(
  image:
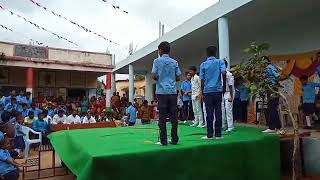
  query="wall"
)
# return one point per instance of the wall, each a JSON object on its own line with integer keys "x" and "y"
{"x": 7, "y": 49}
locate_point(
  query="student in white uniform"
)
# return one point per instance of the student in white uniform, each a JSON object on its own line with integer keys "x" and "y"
{"x": 73, "y": 118}
{"x": 59, "y": 118}
{"x": 88, "y": 119}
{"x": 227, "y": 102}
{"x": 196, "y": 98}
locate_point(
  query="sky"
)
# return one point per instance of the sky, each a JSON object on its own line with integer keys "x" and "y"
{"x": 139, "y": 26}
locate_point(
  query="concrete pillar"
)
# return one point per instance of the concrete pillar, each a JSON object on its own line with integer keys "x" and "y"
{"x": 223, "y": 30}
{"x": 113, "y": 81}
{"x": 149, "y": 87}
{"x": 108, "y": 90}
{"x": 131, "y": 83}
{"x": 29, "y": 80}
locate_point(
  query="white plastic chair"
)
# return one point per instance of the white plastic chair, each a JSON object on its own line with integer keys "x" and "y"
{"x": 28, "y": 141}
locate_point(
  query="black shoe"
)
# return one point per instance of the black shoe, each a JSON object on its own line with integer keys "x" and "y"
{"x": 307, "y": 127}
{"x": 173, "y": 142}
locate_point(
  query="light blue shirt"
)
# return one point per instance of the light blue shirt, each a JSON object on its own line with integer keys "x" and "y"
{"x": 186, "y": 87}
{"x": 166, "y": 69}
{"x": 210, "y": 73}
{"x": 36, "y": 111}
{"x": 5, "y": 167}
{"x": 244, "y": 92}
{"x": 10, "y": 107}
{"x": 21, "y": 99}
{"x": 24, "y": 112}
{"x": 40, "y": 126}
{"x": 7, "y": 100}
{"x": 272, "y": 74}
{"x": 132, "y": 113}
{"x": 309, "y": 92}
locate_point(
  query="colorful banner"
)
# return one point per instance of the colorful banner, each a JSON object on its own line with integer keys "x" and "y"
{"x": 72, "y": 22}
{"x": 297, "y": 65}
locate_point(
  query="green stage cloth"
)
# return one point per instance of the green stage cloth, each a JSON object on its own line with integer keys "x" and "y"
{"x": 130, "y": 154}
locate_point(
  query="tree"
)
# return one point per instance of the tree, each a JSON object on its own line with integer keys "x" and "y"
{"x": 253, "y": 72}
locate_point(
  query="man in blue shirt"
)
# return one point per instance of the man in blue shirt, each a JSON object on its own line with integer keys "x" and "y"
{"x": 8, "y": 99}
{"x": 166, "y": 72}
{"x": 244, "y": 93}
{"x": 35, "y": 110}
{"x": 132, "y": 113}
{"x": 21, "y": 98}
{"x": 213, "y": 89}
{"x": 309, "y": 97}
{"x": 186, "y": 98}
{"x": 272, "y": 111}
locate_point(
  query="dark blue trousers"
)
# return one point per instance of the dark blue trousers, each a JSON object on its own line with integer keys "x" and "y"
{"x": 167, "y": 105}
{"x": 213, "y": 108}
{"x": 272, "y": 113}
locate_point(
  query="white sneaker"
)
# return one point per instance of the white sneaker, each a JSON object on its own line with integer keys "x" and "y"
{"x": 159, "y": 143}
{"x": 269, "y": 131}
{"x": 219, "y": 138}
{"x": 199, "y": 126}
{"x": 204, "y": 126}
{"x": 185, "y": 122}
{"x": 206, "y": 138}
{"x": 229, "y": 129}
{"x": 193, "y": 125}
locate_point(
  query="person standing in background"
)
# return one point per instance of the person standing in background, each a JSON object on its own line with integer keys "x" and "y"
{"x": 186, "y": 92}
{"x": 244, "y": 99}
{"x": 196, "y": 97}
{"x": 227, "y": 101}
{"x": 166, "y": 71}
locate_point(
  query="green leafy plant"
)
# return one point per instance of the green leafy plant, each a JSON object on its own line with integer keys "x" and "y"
{"x": 253, "y": 71}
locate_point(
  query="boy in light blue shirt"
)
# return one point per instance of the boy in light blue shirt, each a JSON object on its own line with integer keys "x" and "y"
{"x": 211, "y": 71}
{"x": 8, "y": 167}
{"x": 308, "y": 99}
{"x": 165, "y": 71}
{"x": 186, "y": 98}
{"x": 132, "y": 113}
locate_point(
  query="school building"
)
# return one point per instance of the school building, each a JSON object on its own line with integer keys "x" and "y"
{"x": 50, "y": 71}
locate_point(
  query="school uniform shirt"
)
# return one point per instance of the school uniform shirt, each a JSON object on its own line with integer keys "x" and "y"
{"x": 272, "y": 74}
{"x": 40, "y": 126}
{"x": 18, "y": 128}
{"x": 186, "y": 87}
{"x": 36, "y": 111}
{"x": 309, "y": 92}
{"x": 7, "y": 100}
{"x": 58, "y": 120}
{"x": 51, "y": 112}
{"x": 166, "y": 70}
{"x": 88, "y": 121}
{"x": 10, "y": 107}
{"x": 5, "y": 167}
{"x": 21, "y": 99}
{"x": 132, "y": 114}
{"x": 210, "y": 73}
{"x": 24, "y": 112}
{"x": 196, "y": 86}
{"x": 27, "y": 120}
{"x": 244, "y": 92}
{"x": 73, "y": 119}
{"x": 29, "y": 102}
{"x": 229, "y": 81}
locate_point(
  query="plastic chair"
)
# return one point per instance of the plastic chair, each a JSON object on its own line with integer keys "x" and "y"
{"x": 28, "y": 141}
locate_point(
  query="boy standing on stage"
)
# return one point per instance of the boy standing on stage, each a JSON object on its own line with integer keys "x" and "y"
{"x": 309, "y": 97}
{"x": 166, "y": 72}
{"x": 196, "y": 99}
{"x": 211, "y": 85}
{"x": 227, "y": 101}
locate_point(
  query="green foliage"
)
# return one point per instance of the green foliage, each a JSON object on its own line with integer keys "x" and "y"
{"x": 253, "y": 71}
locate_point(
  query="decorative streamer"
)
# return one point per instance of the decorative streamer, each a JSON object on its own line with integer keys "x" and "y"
{"x": 34, "y": 41}
{"x": 72, "y": 22}
{"x": 37, "y": 26}
{"x": 116, "y": 7}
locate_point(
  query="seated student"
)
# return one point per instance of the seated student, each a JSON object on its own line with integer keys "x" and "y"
{"x": 102, "y": 117}
{"x": 28, "y": 99}
{"x": 46, "y": 116}
{"x": 8, "y": 167}
{"x": 73, "y": 118}
{"x": 35, "y": 110}
{"x": 132, "y": 113}
{"x": 12, "y": 105}
{"x": 42, "y": 126}
{"x": 145, "y": 113}
{"x": 59, "y": 118}
{"x": 88, "y": 118}
{"x": 50, "y": 110}
{"x": 308, "y": 99}
{"x": 30, "y": 118}
{"x": 21, "y": 98}
{"x": 18, "y": 140}
{"x": 24, "y": 110}
{"x": 244, "y": 100}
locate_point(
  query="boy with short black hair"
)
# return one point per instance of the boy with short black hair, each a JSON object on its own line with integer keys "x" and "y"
{"x": 30, "y": 118}
{"x": 308, "y": 99}
{"x": 8, "y": 167}
{"x": 132, "y": 113}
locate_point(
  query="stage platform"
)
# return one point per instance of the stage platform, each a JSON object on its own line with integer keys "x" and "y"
{"x": 131, "y": 153}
